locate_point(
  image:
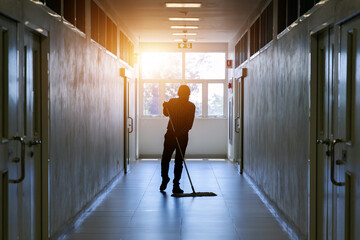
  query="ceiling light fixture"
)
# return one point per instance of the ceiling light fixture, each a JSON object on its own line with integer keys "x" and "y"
{"x": 184, "y": 27}
{"x": 184, "y": 19}
{"x": 184, "y": 34}
{"x": 183, "y": 5}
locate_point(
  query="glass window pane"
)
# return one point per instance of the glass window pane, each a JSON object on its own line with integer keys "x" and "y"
{"x": 205, "y": 65}
{"x": 171, "y": 90}
{"x": 163, "y": 65}
{"x": 151, "y": 99}
{"x": 196, "y": 97}
{"x": 216, "y": 99}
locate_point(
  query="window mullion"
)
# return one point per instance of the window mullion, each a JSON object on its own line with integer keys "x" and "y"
{"x": 205, "y": 98}
{"x": 161, "y": 97}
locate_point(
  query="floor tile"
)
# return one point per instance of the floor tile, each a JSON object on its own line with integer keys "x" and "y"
{"x": 135, "y": 209}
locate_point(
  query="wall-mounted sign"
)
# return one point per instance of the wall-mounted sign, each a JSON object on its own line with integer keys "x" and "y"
{"x": 184, "y": 45}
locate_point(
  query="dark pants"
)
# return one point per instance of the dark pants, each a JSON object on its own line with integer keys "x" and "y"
{"x": 169, "y": 146}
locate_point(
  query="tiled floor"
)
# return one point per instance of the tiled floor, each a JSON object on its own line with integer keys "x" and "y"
{"x": 136, "y": 209}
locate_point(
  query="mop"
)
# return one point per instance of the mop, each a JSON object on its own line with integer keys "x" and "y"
{"x": 193, "y": 194}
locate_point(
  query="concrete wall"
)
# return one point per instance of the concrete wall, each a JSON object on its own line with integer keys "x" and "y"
{"x": 276, "y": 116}
{"x": 86, "y": 112}
{"x": 86, "y": 122}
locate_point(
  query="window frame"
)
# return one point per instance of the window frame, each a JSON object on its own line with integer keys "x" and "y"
{"x": 204, "y": 83}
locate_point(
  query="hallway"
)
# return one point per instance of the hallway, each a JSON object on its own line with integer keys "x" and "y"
{"x": 135, "y": 209}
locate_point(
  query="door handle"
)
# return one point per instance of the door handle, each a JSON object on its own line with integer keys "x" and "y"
{"x": 236, "y": 125}
{"x": 332, "y": 149}
{"x": 22, "y": 159}
{"x": 34, "y": 142}
{"x": 131, "y": 125}
{"x": 321, "y": 141}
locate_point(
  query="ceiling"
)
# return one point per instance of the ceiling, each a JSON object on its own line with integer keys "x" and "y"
{"x": 220, "y": 20}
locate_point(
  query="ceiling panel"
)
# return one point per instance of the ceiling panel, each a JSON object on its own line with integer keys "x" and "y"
{"x": 220, "y": 20}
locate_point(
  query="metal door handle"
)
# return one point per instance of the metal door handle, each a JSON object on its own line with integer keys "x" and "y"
{"x": 22, "y": 159}
{"x": 131, "y": 125}
{"x": 236, "y": 119}
{"x": 332, "y": 149}
{"x": 34, "y": 142}
{"x": 321, "y": 141}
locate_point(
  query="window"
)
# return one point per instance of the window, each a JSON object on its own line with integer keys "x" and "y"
{"x": 196, "y": 97}
{"x": 241, "y": 50}
{"x": 266, "y": 25}
{"x": 69, "y": 11}
{"x": 94, "y": 21}
{"x": 111, "y": 36}
{"x": 205, "y": 66}
{"x": 54, "y": 5}
{"x": 281, "y": 15}
{"x": 75, "y": 17}
{"x": 103, "y": 29}
{"x": 171, "y": 90}
{"x": 162, "y": 65}
{"x": 306, "y": 5}
{"x": 151, "y": 99}
{"x": 254, "y": 37}
{"x": 292, "y": 11}
{"x": 215, "y": 99}
{"x": 163, "y": 72}
{"x": 80, "y": 15}
{"x": 288, "y": 11}
{"x": 126, "y": 49}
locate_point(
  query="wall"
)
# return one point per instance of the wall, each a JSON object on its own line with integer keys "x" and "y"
{"x": 86, "y": 111}
{"x": 207, "y": 138}
{"x": 276, "y": 117}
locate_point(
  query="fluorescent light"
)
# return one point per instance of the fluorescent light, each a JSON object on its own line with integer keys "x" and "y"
{"x": 184, "y": 34}
{"x": 184, "y": 19}
{"x": 183, "y": 5}
{"x": 184, "y": 27}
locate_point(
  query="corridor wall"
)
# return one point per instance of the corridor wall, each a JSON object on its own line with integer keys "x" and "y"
{"x": 85, "y": 99}
{"x": 277, "y": 109}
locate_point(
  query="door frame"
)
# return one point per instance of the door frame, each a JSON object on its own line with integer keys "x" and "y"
{"x": 45, "y": 123}
{"x": 312, "y": 167}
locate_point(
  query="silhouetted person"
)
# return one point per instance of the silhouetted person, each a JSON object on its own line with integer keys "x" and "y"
{"x": 182, "y": 113}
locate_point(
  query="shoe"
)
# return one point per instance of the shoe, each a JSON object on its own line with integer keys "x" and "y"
{"x": 164, "y": 184}
{"x": 177, "y": 190}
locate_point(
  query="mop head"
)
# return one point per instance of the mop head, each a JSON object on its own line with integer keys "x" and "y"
{"x": 194, "y": 194}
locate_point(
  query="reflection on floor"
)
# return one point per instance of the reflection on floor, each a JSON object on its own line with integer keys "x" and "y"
{"x": 135, "y": 209}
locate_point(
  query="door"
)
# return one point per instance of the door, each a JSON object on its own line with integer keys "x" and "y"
{"x": 31, "y": 186}
{"x": 239, "y": 122}
{"x": 132, "y": 119}
{"x": 347, "y": 128}
{"x": 129, "y": 123}
{"x": 10, "y": 132}
{"x": 323, "y": 86}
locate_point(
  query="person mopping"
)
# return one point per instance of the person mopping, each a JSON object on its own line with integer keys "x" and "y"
{"x": 181, "y": 113}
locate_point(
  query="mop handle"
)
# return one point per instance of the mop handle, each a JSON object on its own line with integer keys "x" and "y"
{"x": 181, "y": 154}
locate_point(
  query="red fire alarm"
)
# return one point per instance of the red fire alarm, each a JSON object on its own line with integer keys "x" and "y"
{"x": 229, "y": 63}
{"x": 230, "y": 83}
